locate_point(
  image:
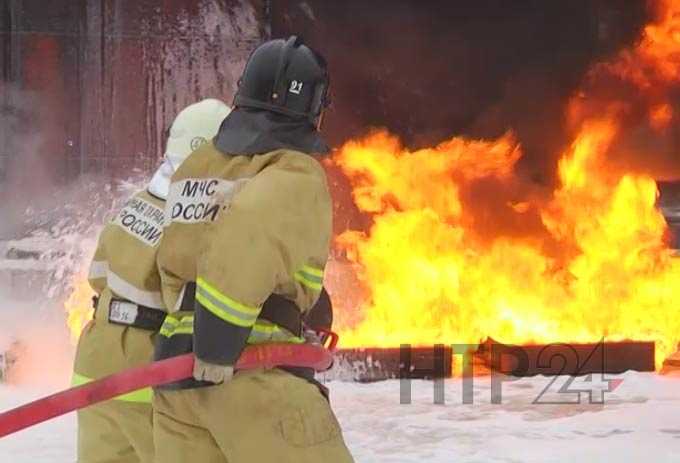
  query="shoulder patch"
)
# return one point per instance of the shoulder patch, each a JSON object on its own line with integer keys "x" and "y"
{"x": 142, "y": 220}
{"x": 194, "y": 200}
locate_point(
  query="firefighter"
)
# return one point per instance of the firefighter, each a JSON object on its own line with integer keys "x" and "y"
{"x": 241, "y": 260}
{"x": 129, "y": 309}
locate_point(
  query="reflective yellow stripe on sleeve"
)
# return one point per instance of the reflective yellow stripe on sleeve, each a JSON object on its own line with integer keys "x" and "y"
{"x": 140, "y": 396}
{"x": 310, "y": 277}
{"x": 173, "y": 325}
{"x": 225, "y": 307}
{"x": 264, "y": 331}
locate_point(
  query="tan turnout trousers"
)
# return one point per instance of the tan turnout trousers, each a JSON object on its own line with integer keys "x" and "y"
{"x": 259, "y": 416}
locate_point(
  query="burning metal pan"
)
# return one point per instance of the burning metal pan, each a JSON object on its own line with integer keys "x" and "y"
{"x": 567, "y": 358}
{"x": 377, "y": 364}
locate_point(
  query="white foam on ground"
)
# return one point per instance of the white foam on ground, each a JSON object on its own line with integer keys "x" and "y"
{"x": 640, "y": 421}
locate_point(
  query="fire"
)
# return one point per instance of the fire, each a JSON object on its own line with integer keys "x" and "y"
{"x": 422, "y": 179}
{"x": 660, "y": 116}
{"x": 654, "y": 60}
{"x": 595, "y": 266}
{"x": 431, "y": 279}
{"x": 78, "y": 306}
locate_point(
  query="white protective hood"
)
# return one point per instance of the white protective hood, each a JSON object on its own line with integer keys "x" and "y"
{"x": 194, "y": 125}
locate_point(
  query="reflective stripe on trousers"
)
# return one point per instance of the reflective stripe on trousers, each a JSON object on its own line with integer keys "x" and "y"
{"x": 263, "y": 331}
{"x": 140, "y": 396}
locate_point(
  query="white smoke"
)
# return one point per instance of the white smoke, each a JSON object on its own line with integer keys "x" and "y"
{"x": 39, "y": 270}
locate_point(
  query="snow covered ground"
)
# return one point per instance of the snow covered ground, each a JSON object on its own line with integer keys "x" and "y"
{"x": 639, "y": 421}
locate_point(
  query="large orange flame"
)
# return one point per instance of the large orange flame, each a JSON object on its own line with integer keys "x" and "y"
{"x": 654, "y": 60}
{"x": 598, "y": 268}
{"x": 78, "y": 306}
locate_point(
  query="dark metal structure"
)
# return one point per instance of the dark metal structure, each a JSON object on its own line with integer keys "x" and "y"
{"x": 377, "y": 364}
{"x": 568, "y": 358}
{"x": 91, "y": 85}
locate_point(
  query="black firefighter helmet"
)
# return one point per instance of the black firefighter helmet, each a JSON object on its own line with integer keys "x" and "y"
{"x": 285, "y": 77}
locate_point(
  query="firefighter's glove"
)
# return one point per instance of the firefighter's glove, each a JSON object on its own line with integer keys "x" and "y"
{"x": 204, "y": 371}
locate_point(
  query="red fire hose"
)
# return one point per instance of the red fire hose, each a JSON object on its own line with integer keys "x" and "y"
{"x": 156, "y": 374}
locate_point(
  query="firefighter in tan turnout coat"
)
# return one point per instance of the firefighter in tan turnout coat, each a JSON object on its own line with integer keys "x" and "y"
{"x": 241, "y": 260}
{"x": 129, "y": 309}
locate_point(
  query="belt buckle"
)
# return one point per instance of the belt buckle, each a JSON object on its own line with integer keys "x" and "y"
{"x": 123, "y": 313}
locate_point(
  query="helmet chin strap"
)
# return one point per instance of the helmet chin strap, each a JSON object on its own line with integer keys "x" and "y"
{"x": 319, "y": 120}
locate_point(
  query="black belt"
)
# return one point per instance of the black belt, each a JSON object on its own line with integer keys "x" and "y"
{"x": 126, "y": 313}
{"x": 276, "y": 309}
